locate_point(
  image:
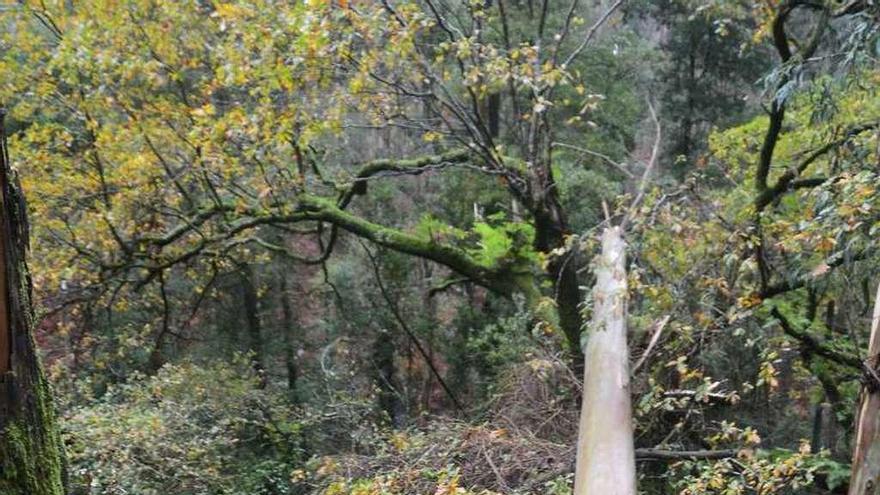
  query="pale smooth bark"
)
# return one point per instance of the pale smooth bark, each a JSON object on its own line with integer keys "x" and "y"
{"x": 866, "y": 454}
{"x": 605, "y": 453}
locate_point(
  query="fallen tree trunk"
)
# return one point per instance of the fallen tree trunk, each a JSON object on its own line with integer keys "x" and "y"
{"x": 31, "y": 454}
{"x": 605, "y": 452}
{"x": 865, "y": 478}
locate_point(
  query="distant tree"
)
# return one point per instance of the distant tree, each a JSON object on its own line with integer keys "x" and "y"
{"x": 710, "y": 73}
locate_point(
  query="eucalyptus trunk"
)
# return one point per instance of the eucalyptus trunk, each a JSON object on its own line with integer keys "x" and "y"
{"x": 866, "y": 455}
{"x": 31, "y": 452}
{"x": 605, "y": 452}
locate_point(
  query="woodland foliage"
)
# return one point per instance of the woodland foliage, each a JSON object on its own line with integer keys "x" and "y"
{"x": 344, "y": 247}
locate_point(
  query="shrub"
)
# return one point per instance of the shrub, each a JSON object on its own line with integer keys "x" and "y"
{"x": 190, "y": 429}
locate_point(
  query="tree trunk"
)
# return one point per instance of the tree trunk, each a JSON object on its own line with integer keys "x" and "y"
{"x": 568, "y": 298}
{"x": 605, "y": 452}
{"x": 386, "y": 378}
{"x": 252, "y": 323}
{"x": 550, "y": 231}
{"x": 31, "y": 452}
{"x": 866, "y": 454}
{"x": 288, "y": 329}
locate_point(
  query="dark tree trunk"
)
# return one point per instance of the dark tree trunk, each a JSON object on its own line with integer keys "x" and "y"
{"x": 31, "y": 452}
{"x": 386, "y": 379}
{"x": 550, "y": 232}
{"x": 490, "y": 112}
{"x": 252, "y": 323}
{"x": 288, "y": 330}
{"x": 568, "y": 299}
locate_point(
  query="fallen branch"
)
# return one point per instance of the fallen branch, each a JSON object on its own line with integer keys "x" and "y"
{"x": 678, "y": 455}
{"x": 704, "y": 397}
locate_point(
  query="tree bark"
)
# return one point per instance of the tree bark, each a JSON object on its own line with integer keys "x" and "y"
{"x": 568, "y": 297}
{"x": 288, "y": 329}
{"x": 31, "y": 452}
{"x": 386, "y": 378}
{"x": 551, "y": 229}
{"x": 865, "y": 478}
{"x": 605, "y": 452}
{"x": 252, "y": 323}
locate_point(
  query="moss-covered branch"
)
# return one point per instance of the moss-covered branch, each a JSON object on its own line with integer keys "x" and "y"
{"x": 413, "y": 166}
{"x": 500, "y": 280}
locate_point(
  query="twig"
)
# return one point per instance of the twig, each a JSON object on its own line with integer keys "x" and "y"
{"x": 707, "y": 396}
{"x": 607, "y": 159}
{"x": 659, "y": 326}
{"x": 501, "y": 482}
{"x": 591, "y": 32}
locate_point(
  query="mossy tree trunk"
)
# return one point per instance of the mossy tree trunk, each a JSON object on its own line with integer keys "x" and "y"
{"x": 31, "y": 452}
{"x": 605, "y": 452}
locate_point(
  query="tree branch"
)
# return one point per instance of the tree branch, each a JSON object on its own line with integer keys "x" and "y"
{"x": 413, "y": 166}
{"x": 678, "y": 455}
{"x": 788, "y": 285}
{"x": 788, "y": 182}
{"x": 777, "y": 106}
{"x": 501, "y": 281}
{"x": 816, "y": 345}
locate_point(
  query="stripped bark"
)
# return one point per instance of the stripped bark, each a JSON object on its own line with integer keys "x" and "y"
{"x": 605, "y": 453}
{"x": 866, "y": 454}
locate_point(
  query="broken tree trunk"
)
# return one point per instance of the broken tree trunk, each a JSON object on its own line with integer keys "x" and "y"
{"x": 605, "y": 452}
{"x": 31, "y": 453}
{"x": 866, "y": 453}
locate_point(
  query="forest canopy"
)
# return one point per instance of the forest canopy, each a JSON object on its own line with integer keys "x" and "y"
{"x": 439, "y": 246}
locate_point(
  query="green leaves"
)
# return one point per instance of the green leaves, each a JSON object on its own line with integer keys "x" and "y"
{"x": 493, "y": 243}
{"x": 502, "y": 242}
{"x": 189, "y": 429}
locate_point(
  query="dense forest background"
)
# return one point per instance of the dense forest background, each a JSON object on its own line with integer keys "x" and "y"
{"x": 344, "y": 247}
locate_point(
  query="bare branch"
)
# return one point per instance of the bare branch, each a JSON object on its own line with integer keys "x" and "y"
{"x": 649, "y": 169}
{"x": 658, "y": 330}
{"x": 591, "y": 33}
{"x": 607, "y": 159}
